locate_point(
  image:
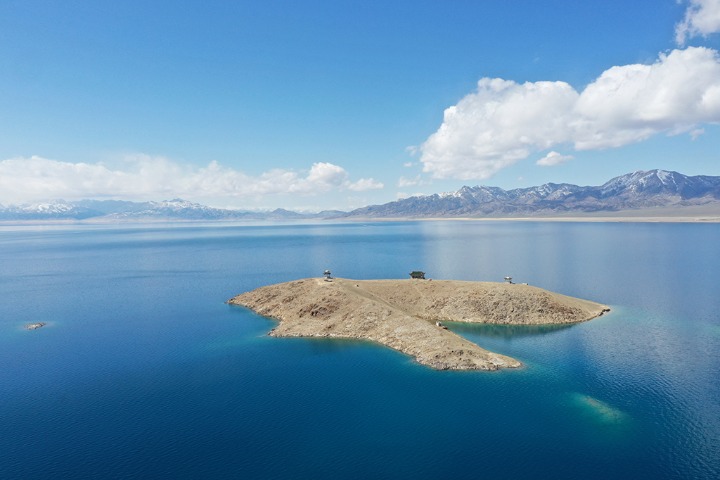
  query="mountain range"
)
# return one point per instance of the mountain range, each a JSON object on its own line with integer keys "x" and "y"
{"x": 119, "y": 210}
{"x": 637, "y": 191}
{"x": 634, "y": 192}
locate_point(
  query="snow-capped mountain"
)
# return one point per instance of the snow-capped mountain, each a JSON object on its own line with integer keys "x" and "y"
{"x": 176, "y": 208}
{"x": 637, "y": 190}
{"x": 117, "y": 210}
{"x": 50, "y": 210}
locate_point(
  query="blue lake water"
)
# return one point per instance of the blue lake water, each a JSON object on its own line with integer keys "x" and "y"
{"x": 144, "y": 372}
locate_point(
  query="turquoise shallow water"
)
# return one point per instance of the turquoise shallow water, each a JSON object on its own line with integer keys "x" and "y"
{"x": 144, "y": 372}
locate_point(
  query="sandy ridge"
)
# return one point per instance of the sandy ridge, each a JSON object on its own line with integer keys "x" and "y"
{"x": 401, "y": 314}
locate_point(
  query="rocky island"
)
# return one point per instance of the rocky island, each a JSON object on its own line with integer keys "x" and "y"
{"x": 35, "y": 326}
{"x": 407, "y": 315}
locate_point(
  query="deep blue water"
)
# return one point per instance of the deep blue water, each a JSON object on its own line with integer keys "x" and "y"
{"x": 144, "y": 372}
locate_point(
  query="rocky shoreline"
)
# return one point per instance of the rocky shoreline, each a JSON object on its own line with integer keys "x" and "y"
{"x": 404, "y": 314}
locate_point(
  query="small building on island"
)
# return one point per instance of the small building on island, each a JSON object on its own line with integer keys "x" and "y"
{"x": 417, "y": 274}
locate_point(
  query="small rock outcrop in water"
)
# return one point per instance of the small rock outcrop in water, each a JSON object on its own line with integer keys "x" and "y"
{"x": 35, "y": 326}
{"x": 402, "y": 314}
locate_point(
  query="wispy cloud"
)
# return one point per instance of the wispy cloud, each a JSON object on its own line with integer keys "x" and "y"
{"x": 554, "y": 158}
{"x": 702, "y": 17}
{"x": 504, "y": 122}
{"x": 150, "y": 177}
{"x": 404, "y": 182}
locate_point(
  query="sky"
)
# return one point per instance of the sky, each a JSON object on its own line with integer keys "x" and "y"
{"x": 337, "y": 104}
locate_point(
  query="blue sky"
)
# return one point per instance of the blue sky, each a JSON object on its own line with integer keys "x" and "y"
{"x": 340, "y": 104}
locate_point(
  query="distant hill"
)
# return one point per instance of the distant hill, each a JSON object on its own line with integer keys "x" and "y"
{"x": 636, "y": 191}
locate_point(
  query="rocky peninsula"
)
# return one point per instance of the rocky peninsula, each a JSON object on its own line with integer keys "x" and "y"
{"x": 406, "y": 314}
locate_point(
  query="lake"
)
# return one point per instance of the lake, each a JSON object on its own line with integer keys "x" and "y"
{"x": 143, "y": 371}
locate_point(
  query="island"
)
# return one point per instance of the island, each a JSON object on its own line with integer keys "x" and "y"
{"x": 408, "y": 315}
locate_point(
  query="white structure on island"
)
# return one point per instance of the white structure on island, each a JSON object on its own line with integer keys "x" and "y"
{"x": 508, "y": 279}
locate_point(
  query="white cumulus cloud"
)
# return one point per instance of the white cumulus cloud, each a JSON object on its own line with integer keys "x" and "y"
{"x": 501, "y": 123}
{"x": 702, "y": 17}
{"x": 504, "y": 121}
{"x": 326, "y": 174}
{"x": 143, "y": 177}
{"x": 553, "y": 158}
